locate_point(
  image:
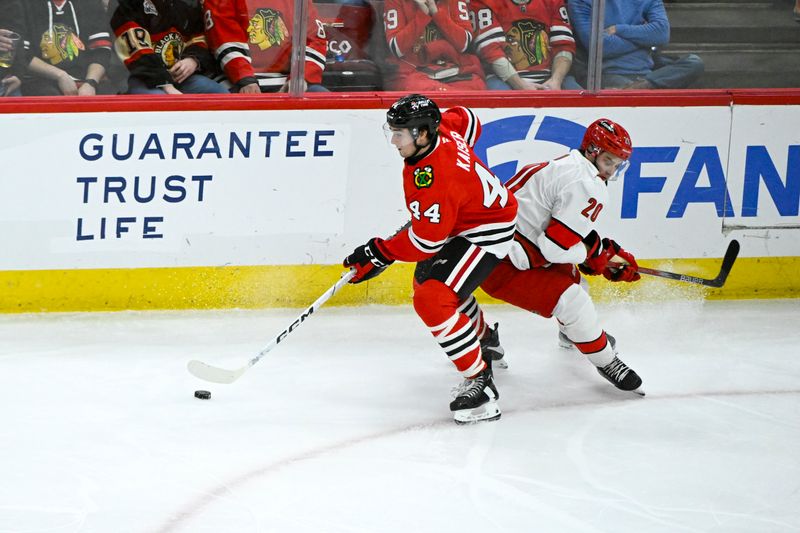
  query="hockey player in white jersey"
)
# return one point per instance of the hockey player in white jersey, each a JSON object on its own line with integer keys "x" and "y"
{"x": 560, "y": 202}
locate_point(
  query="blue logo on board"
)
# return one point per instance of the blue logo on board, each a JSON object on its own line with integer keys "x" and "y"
{"x": 702, "y": 181}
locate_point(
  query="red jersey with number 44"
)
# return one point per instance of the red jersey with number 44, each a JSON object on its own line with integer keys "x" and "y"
{"x": 451, "y": 193}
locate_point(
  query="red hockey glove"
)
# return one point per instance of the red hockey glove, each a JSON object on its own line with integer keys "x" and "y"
{"x": 627, "y": 270}
{"x": 367, "y": 260}
{"x": 598, "y": 255}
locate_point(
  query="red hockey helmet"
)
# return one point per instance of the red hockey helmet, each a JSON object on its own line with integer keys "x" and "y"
{"x": 604, "y": 135}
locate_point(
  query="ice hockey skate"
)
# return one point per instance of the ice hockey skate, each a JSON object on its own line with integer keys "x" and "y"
{"x": 564, "y": 342}
{"x": 490, "y": 346}
{"x": 476, "y": 400}
{"x": 622, "y": 376}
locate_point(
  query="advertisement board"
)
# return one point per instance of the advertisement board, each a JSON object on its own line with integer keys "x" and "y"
{"x": 222, "y": 188}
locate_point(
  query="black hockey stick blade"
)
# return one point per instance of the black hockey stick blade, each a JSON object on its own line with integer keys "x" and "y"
{"x": 727, "y": 263}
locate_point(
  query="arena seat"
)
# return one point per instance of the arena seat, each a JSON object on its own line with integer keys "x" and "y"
{"x": 350, "y": 63}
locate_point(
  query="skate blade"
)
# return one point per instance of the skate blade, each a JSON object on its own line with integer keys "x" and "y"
{"x": 487, "y": 412}
{"x": 500, "y": 363}
{"x": 637, "y": 392}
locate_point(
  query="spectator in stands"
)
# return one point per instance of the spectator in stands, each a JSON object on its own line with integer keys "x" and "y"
{"x": 162, "y": 44}
{"x": 431, "y": 46}
{"x": 252, "y": 41}
{"x": 116, "y": 73}
{"x": 633, "y": 30}
{"x": 12, "y": 56}
{"x": 69, "y": 46}
{"x": 525, "y": 44}
{"x": 796, "y": 10}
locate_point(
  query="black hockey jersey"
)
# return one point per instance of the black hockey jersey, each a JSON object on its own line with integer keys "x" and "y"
{"x": 70, "y": 35}
{"x": 152, "y": 35}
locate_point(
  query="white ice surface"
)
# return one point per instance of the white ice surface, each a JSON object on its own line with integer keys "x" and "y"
{"x": 345, "y": 426}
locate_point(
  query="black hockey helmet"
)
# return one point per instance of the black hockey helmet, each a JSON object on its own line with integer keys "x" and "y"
{"x": 415, "y": 112}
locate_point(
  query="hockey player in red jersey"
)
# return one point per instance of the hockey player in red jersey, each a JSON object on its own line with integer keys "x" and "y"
{"x": 462, "y": 223}
{"x": 559, "y": 204}
{"x": 526, "y": 44}
{"x": 431, "y": 46}
{"x": 252, "y": 41}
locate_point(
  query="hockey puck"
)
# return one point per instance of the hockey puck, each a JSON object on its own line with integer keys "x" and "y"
{"x": 202, "y": 394}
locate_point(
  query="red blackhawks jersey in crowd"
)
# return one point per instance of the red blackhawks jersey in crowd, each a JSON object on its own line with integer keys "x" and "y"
{"x": 451, "y": 193}
{"x": 440, "y": 42}
{"x": 152, "y": 35}
{"x": 252, "y": 40}
{"x": 529, "y": 35}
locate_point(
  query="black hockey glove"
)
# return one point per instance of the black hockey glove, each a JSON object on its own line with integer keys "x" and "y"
{"x": 367, "y": 260}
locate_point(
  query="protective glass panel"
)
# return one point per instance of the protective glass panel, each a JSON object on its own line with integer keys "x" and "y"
{"x": 519, "y": 45}
{"x": 402, "y": 45}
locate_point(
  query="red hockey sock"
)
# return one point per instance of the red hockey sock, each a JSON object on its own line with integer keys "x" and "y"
{"x": 471, "y": 308}
{"x": 437, "y": 306}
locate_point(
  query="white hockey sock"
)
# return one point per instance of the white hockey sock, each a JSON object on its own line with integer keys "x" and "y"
{"x": 577, "y": 316}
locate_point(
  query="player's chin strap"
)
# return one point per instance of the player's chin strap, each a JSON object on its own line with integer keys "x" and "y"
{"x": 594, "y": 164}
{"x": 422, "y": 151}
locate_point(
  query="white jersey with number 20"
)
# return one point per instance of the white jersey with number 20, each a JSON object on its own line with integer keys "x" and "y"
{"x": 559, "y": 204}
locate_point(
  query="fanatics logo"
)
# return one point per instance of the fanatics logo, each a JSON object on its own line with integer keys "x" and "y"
{"x": 423, "y": 177}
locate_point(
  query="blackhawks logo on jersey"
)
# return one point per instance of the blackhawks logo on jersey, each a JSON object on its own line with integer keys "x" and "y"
{"x": 527, "y": 44}
{"x": 170, "y": 48}
{"x": 267, "y": 29}
{"x": 423, "y": 177}
{"x": 60, "y": 44}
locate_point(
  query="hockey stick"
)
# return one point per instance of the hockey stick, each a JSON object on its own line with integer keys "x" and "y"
{"x": 221, "y": 375}
{"x": 727, "y": 263}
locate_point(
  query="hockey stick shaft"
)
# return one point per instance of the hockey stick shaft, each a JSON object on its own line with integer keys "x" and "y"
{"x": 727, "y": 263}
{"x": 344, "y": 280}
{"x": 214, "y": 374}
{"x": 679, "y": 277}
